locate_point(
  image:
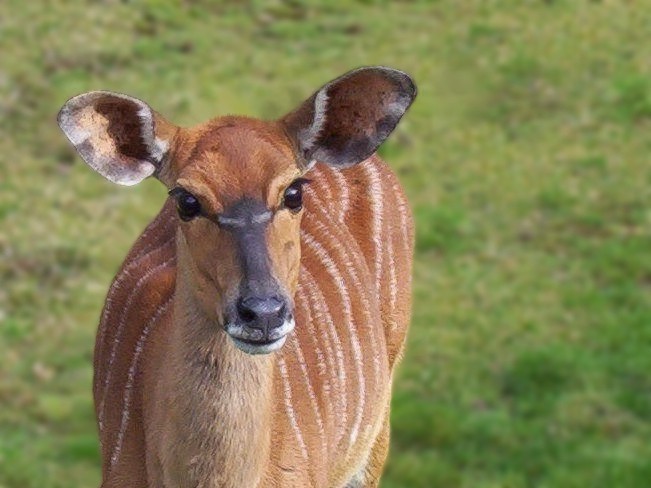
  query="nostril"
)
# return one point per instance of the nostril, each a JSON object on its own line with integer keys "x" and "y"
{"x": 246, "y": 313}
{"x": 260, "y": 308}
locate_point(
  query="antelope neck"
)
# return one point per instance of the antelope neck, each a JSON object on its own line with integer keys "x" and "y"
{"x": 225, "y": 399}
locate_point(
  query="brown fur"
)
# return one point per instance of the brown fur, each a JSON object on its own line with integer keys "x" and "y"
{"x": 203, "y": 413}
{"x": 178, "y": 405}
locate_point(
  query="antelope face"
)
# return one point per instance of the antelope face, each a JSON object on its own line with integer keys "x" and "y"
{"x": 237, "y": 184}
{"x": 238, "y": 192}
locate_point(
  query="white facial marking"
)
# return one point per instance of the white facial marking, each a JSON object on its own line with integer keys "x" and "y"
{"x": 260, "y": 218}
{"x": 277, "y": 336}
{"x": 266, "y": 348}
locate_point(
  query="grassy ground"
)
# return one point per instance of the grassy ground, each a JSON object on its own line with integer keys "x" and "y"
{"x": 526, "y": 159}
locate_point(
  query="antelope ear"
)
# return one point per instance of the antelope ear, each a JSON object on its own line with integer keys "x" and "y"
{"x": 345, "y": 121}
{"x": 119, "y": 136}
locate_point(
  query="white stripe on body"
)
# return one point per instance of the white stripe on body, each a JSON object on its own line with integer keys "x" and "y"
{"x": 289, "y": 408}
{"x": 128, "y": 389}
{"x": 403, "y": 211}
{"x": 325, "y": 187}
{"x": 296, "y": 347}
{"x": 406, "y": 241}
{"x": 119, "y": 330}
{"x": 344, "y": 201}
{"x": 303, "y": 303}
{"x": 322, "y": 314}
{"x": 393, "y": 285}
{"x": 351, "y": 268}
{"x": 119, "y": 281}
{"x": 331, "y": 268}
{"x": 375, "y": 197}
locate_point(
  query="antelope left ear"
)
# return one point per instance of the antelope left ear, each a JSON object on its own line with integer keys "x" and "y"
{"x": 119, "y": 136}
{"x": 344, "y": 122}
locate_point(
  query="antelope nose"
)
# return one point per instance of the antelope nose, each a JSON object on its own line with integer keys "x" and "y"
{"x": 261, "y": 312}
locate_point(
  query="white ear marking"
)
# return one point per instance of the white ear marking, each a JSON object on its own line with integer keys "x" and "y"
{"x": 76, "y": 135}
{"x": 310, "y": 164}
{"x": 73, "y": 131}
{"x": 157, "y": 147}
{"x": 145, "y": 114}
{"x": 308, "y": 136}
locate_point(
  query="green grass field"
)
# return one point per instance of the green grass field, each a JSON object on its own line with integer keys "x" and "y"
{"x": 526, "y": 159}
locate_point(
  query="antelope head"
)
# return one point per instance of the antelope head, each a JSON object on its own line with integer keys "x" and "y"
{"x": 237, "y": 183}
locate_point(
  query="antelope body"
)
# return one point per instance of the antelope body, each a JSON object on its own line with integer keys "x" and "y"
{"x": 250, "y": 338}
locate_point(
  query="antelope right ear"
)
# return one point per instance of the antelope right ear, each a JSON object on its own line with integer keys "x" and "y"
{"x": 345, "y": 121}
{"x": 119, "y": 136}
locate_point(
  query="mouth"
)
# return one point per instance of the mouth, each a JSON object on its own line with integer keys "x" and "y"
{"x": 253, "y": 341}
{"x": 259, "y": 347}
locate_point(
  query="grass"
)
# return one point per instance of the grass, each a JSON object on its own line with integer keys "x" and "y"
{"x": 525, "y": 157}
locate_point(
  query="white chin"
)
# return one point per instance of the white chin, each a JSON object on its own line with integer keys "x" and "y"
{"x": 251, "y": 348}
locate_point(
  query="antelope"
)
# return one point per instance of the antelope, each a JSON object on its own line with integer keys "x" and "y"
{"x": 251, "y": 335}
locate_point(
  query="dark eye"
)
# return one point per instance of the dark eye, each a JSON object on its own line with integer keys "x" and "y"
{"x": 293, "y": 197}
{"x": 186, "y": 203}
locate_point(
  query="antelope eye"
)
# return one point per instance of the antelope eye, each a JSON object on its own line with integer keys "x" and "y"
{"x": 293, "y": 197}
{"x": 187, "y": 204}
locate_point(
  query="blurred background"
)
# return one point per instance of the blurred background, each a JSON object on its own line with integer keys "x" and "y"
{"x": 526, "y": 161}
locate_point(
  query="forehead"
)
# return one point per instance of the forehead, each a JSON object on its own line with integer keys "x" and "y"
{"x": 233, "y": 157}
